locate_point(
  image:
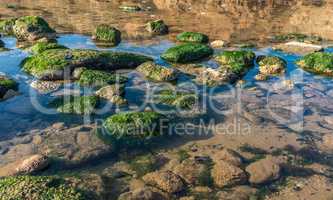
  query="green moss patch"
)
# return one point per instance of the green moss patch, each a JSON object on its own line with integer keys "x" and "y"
{"x": 43, "y": 46}
{"x": 298, "y": 37}
{"x": 157, "y": 72}
{"x": 271, "y": 65}
{"x": 179, "y": 99}
{"x": 56, "y": 60}
{"x": 81, "y": 105}
{"x": 32, "y": 28}
{"x": 188, "y": 52}
{"x": 192, "y": 37}
{"x": 96, "y": 78}
{"x": 107, "y": 34}
{"x": 236, "y": 61}
{"x": 319, "y": 62}
{"x": 6, "y": 26}
{"x": 157, "y": 27}
{"x": 132, "y": 128}
{"x": 38, "y": 188}
{"x": 7, "y": 84}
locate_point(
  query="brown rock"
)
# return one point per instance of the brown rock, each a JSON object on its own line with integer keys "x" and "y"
{"x": 263, "y": 171}
{"x": 237, "y": 193}
{"x": 190, "y": 170}
{"x": 166, "y": 181}
{"x": 226, "y": 174}
{"x": 229, "y": 156}
{"x": 145, "y": 193}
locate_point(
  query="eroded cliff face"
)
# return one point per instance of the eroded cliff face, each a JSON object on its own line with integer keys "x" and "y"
{"x": 221, "y": 19}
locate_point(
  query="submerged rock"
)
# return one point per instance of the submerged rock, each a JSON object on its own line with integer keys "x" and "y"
{"x": 263, "y": 171}
{"x": 7, "y": 85}
{"x": 226, "y": 174}
{"x": 145, "y": 193}
{"x": 191, "y": 171}
{"x": 166, "y": 181}
{"x": 39, "y": 187}
{"x": 157, "y": 27}
{"x": 180, "y": 99}
{"x": 43, "y": 46}
{"x": 298, "y": 47}
{"x": 132, "y": 128}
{"x": 188, "y": 52}
{"x": 107, "y": 35}
{"x": 57, "y": 64}
{"x": 238, "y": 193}
{"x": 215, "y": 77}
{"x": 96, "y": 78}
{"x": 319, "y": 62}
{"x": 192, "y": 37}
{"x": 299, "y": 37}
{"x": 31, "y": 28}
{"x": 270, "y": 65}
{"x": 25, "y": 166}
{"x": 218, "y": 44}
{"x": 81, "y": 105}
{"x": 6, "y": 26}
{"x": 157, "y": 72}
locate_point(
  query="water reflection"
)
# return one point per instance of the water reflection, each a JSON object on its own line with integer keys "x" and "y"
{"x": 232, "y": 20}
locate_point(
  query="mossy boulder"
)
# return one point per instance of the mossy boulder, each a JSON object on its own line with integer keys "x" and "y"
{"x": 271, "y": 65}
{"x": 107, "y": 35}
{"x": 81, "y": 105}
{"x": 40, "y": 47}
{"x": 6, "y": 26}
{"x": 319, "y": 62}
{"x": 7, "y": 84}
{"x": 297, "y": 37}
{"x": 157, "y": 27}
{"x": 39, "y": 188}
{"x": 31, "y": 28}
{"x": 188, "y": 52}
{"x": 180, "y": 99}
{"x": 237, "y": 61}
{"x": 97, "y": 78}
{"x": 192, "y": 37}
{"x": 132, "y": 128}
{"x": 55, "y": 64}
{"x": 157, "y": 72}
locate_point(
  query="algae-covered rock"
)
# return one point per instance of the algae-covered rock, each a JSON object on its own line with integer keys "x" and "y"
{"x": 6, "y": 26}
{"x": 319, "y": 62}
{"x": 39, "y": 188}
{"x": 157, "y": 72}
{"x": 131, "y": 128}
{"x": 192, "y": 37}
{"x": 107, "y": 35}
{"x": 7, "y": 84}
{"x": 188, "y": 52}
{"x": 81, "y": 105}
{"x": 271, "y": 65}
{"x": 55, "y": 64}
{"x": 97, "y": 78}
{"x": 297, "y": 37}
{"x": 43, "y": 46}
{"x": 157, "y": 27}
{"x": 237, "y": 61}
{"x": 181, "y": 99}
{"x": 31, "y": 28}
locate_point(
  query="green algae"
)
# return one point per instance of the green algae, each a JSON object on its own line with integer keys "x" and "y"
{"x": 236, "y": 61}
{"x": 81, "y": 105}
{"x": 107, "y": 34}
{"x": 97, "y": 78}
{"x": 192, "y": 37}
{"x": 188, "y": 52}
{"x": 40, "y": 47}
{"x": 318, "y": 62}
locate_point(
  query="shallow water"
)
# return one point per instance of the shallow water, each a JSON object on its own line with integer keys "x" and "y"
{"x": 22, "y": 113}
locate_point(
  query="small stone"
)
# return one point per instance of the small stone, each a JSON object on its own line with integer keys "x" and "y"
{"x": 157, "y": 27}
{"x": 33, "y": 164}
{"x": 298, "y": 47}
{"x": 166, "y": 181}
{"x": 217, "y": 44}
{"x": 263, "y": 171}
{"x": 58, "y": 126}
{"x": 261, "y": 77}
{"x": 145, "y": 193}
